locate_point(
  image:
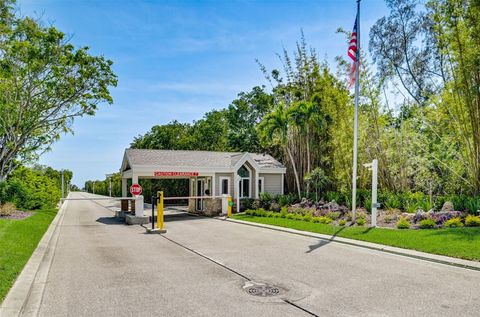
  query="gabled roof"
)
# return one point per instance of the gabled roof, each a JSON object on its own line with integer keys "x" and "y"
{"x": 142, "y": 157}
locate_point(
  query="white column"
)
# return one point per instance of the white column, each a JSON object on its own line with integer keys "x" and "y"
{"x": 374, "y": 192}
{"x": 139, "y": 206}
{"x": 237, "y": 191}
{"x": 214, "y": 190}
{"x": 124, "y": 187}
{"x": 255, "y": 186}
{"x": 134, "y": 179}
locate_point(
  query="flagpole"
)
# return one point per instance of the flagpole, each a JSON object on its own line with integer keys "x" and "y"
{"x": 355, "y": 119}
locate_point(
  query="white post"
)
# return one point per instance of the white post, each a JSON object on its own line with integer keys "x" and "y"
{"x": 237, "y": 179}
{"x": 139, "y": 206}
{"x": 374, "y": 192}
{"x": 224, "y": 204}
{"x": 374, "y": 168}
{"x": 63, "y": 185}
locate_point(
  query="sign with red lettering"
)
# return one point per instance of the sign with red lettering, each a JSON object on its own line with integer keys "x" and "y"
{"x": 175, "y": 174}
{"x": 135, "y": 189}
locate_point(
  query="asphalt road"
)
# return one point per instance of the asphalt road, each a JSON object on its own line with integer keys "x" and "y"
{"x": 201, "y": 267}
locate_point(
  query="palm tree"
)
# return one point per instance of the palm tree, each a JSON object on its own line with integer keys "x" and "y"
{"x": 306, "y": 115}
{"x": 274, "y": 128}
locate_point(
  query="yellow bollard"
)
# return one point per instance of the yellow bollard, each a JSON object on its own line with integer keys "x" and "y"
{"x": 160, "y": 210}
{"x": 229, "y": 208}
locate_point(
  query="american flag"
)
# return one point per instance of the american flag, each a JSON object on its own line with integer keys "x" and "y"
{"x": 352, "y": 52}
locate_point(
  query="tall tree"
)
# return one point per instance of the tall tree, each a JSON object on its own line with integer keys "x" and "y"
{"x": 275, "y": 128}
{"x": 45, "y": 83}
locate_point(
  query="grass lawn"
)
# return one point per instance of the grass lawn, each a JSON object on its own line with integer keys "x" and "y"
{"x": 455, "y": 242}
{"x": 18, "y": 240}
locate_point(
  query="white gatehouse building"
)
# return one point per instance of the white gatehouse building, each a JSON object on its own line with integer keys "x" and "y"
{"x": 210, "y": 174}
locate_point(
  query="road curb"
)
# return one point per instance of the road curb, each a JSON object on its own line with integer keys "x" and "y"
{"x": 441, "y": 259}
{"x": 26, "y": 294}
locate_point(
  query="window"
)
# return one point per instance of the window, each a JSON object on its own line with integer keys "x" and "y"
{"x": 261, "y": 184}
{"x": 224, "y": 185}
{"x": 244, "y": 183}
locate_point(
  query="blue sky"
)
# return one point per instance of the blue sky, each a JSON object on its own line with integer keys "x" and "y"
{"x": 179, "y": 59}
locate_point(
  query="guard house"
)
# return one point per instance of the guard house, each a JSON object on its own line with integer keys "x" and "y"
{"x": 210, "y": 174}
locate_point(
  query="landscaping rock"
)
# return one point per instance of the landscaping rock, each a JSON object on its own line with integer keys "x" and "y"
{"x": 447, "y": 207}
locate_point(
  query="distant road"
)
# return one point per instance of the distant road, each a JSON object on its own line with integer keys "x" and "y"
{"x": 200, "y": 267}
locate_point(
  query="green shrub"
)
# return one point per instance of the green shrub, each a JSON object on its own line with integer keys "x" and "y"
{"x": 30, "y": 189}
{"x": 270, "y": 214}
{"x": 472, "y": 221}
{"x": 316, "y": 219}
{"x": 276, "y": 215}
{"x": 307, "y": 217}
{"x": 472, "y": 204}
{"x": 403, "y": 223}
{"x": 250, "y": 212}
{"x": 297, "y": 216}
{"x": 342, "y": 222}
{"x": 290, "y": 216}
{"x": 427, "y": 224}
{"x": 334, "y": 215}
{"x": 453, "y": 223}
{"x": 7, "y": 209}
{"x": 361, "y": 221}
{"x": 260, "y": 212}
{"x": 390, "y": 200}
{"x": 325, "y": 220}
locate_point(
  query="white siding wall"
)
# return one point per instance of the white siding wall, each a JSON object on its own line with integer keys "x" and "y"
{"x": 273, "y": 183}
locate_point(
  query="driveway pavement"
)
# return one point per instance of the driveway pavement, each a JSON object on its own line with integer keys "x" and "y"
{"x": 201, "y": 268}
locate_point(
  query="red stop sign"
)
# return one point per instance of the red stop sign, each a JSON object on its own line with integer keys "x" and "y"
{"x": 135, "y": 189}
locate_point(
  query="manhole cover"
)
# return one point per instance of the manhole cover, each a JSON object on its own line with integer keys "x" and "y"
{"x": 262, "y": 290}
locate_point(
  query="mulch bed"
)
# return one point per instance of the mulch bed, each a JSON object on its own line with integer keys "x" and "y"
{"x": 18, "y": 215}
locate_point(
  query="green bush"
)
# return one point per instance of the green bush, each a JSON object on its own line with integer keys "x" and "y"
{"x": 361, "y": 221}
{"x": 283, "y": 212}
{"x": 250, "y": 212}
{"x": 297, "y": 216}
{"x": 472, "y": 204}
{"x": 427, "y": 224}
{"x": 342, "y": 222}
{"x": 307, "y": 217}
{"x": 390, "y": 200}
{"x": 472, "y": 221}
{"x": 316, "y": 219}
{"x": 334, "y": 215}
{"x": 277, "y": 215}
{"x": 453, "y": 223}
{"x": 270, "y": 214}
{"x": 403, "y": 223}
{"x": 30, "y": 189}
{"x": 290, "y": 216}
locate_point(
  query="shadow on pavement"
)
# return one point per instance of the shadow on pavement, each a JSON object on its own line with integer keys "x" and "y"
{"x": 322, "y": 242}
{"x": 110, "y": 221}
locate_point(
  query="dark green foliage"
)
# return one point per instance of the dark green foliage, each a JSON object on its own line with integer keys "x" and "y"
{"x": 32, "y": 188}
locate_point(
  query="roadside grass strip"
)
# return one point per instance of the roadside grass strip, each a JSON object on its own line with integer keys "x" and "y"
{"x": 18, "y": 240}
{"x": 461, "y": 243}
